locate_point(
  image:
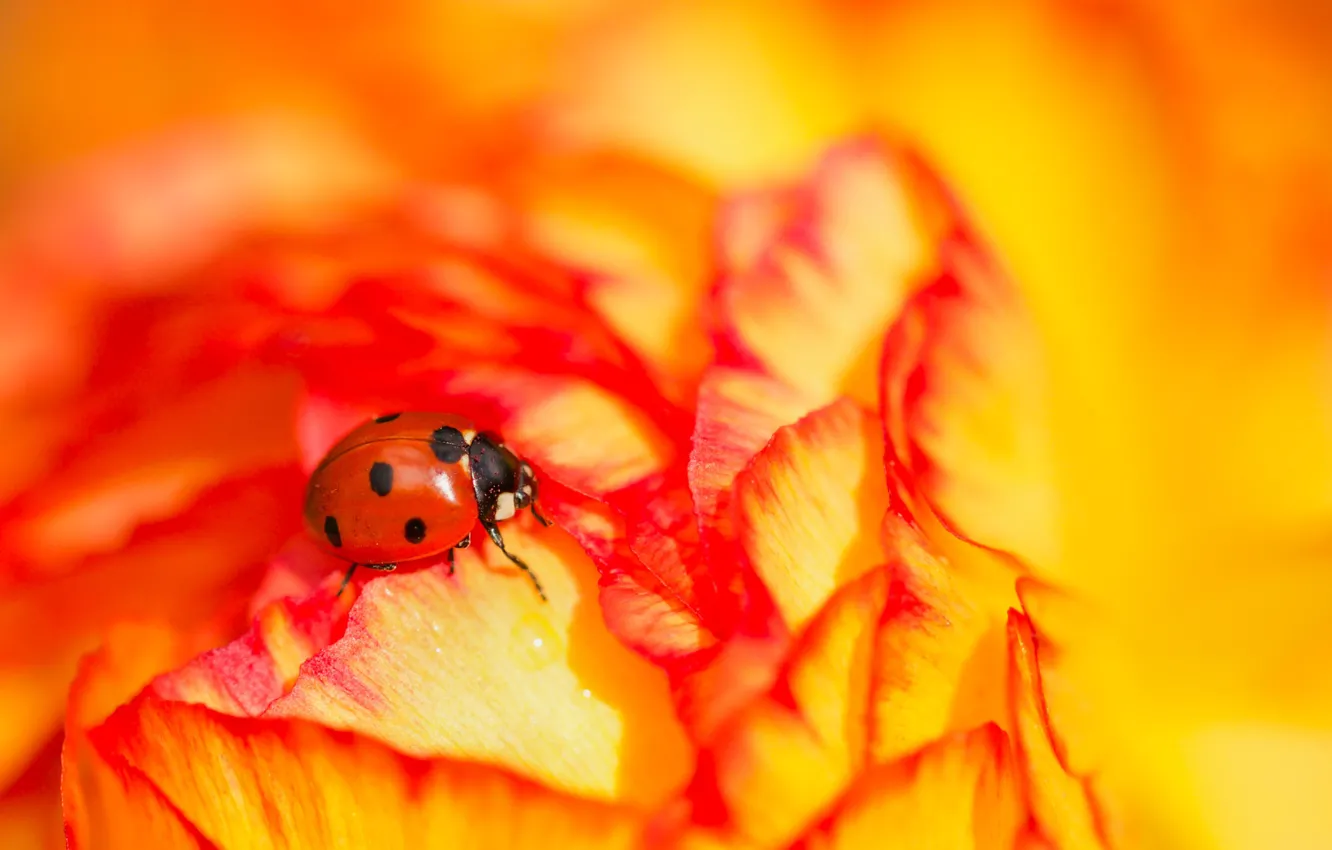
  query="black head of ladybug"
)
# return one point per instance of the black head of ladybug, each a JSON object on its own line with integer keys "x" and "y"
{"x": 502, "y": 482}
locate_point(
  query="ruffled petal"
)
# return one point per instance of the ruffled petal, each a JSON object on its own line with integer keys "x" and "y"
{"x": 738, "y": 412}
{"x": 1061, "y": 808}
{"x": 959, "y": 792}
{"x": 269, "y": 783}
{"x": 810, "y": 507}
{"x": 831, "y": 259}
{"x": 245, "y": 676}
{"x": 965, "y": 409}
{"x": 786, "y": 757}
{"x": 940, "y": 659}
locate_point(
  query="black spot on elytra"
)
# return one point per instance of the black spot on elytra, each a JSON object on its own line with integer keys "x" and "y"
{"x": 381, "y": 478}
{"x": 331, "y": 531}
{"x": 448, "y": 444}
{"x": 415, "y": 530}
{"x": 387, "y": 417}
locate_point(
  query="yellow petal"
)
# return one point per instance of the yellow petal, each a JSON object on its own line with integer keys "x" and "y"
{"x": 811, "y": 505}
{"x": 959, "y": 793}
{"x": 461, "y": 666}
{"x": 940, "y": 660}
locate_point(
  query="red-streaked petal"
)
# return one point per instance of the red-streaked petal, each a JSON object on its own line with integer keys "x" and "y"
{"x": 959, "y": 793}
{"x": 1060, "y": 805}
{"x": 244, "y": 782}
{"x": 245, "y": 676}
{"x": 940, "y": 658}
{"x": 782, "y": 760}
{"x": 830, "y": 260}
{"x": 811, "y": 506}
{"x": 738, "y": 412}
{"x": 964, "y": 403}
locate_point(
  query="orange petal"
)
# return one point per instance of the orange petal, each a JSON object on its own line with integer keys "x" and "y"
{"x": 129, "y": 811}
{"x": 30, "y": 807}
{"x": 1059, "y": 802}
{"x": 412, "y": 639}
{"x": 152, "y": 468}
{"x": 964, "y": 402}
{"x": 832, "y": 259}
{"x": 940, "y": 660}
{"x": 244, "y": 783}
{"x": 811, "y": 505}
{"x": 959, "y": 792}
{"x": 777, "y": 764}
{"x": 129, "y": 657}
{"x": 187, "y": 567}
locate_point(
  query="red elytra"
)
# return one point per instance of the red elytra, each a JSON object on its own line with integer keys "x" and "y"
{"x": 408, "y": 486}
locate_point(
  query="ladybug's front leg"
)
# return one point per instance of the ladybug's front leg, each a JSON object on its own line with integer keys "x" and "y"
{"x": 494, "y": 532}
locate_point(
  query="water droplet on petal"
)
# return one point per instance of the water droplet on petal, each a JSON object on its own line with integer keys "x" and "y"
{"x": 535, "y": 643}
{"x": 587, "y": 694}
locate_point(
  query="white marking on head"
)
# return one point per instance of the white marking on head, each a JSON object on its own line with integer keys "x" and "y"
{"x": 504, "y": 507}
{"x": 527, "y": 488}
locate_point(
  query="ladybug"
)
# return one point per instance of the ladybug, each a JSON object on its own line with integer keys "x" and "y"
{"x": 409, "y": 486}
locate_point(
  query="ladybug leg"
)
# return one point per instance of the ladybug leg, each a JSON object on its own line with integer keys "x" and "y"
{"x": 448, "y": 559}
{"x": 346, "y": 579}
{"x": 388, "y": 568}
{"x": 539, "y": 517}
{"x": 494, "y": 532}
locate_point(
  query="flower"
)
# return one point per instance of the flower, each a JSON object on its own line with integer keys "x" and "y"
{"x": 1005, "y": 634}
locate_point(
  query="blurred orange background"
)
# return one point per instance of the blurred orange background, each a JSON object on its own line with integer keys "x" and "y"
{"x": 1157, "y": 176}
